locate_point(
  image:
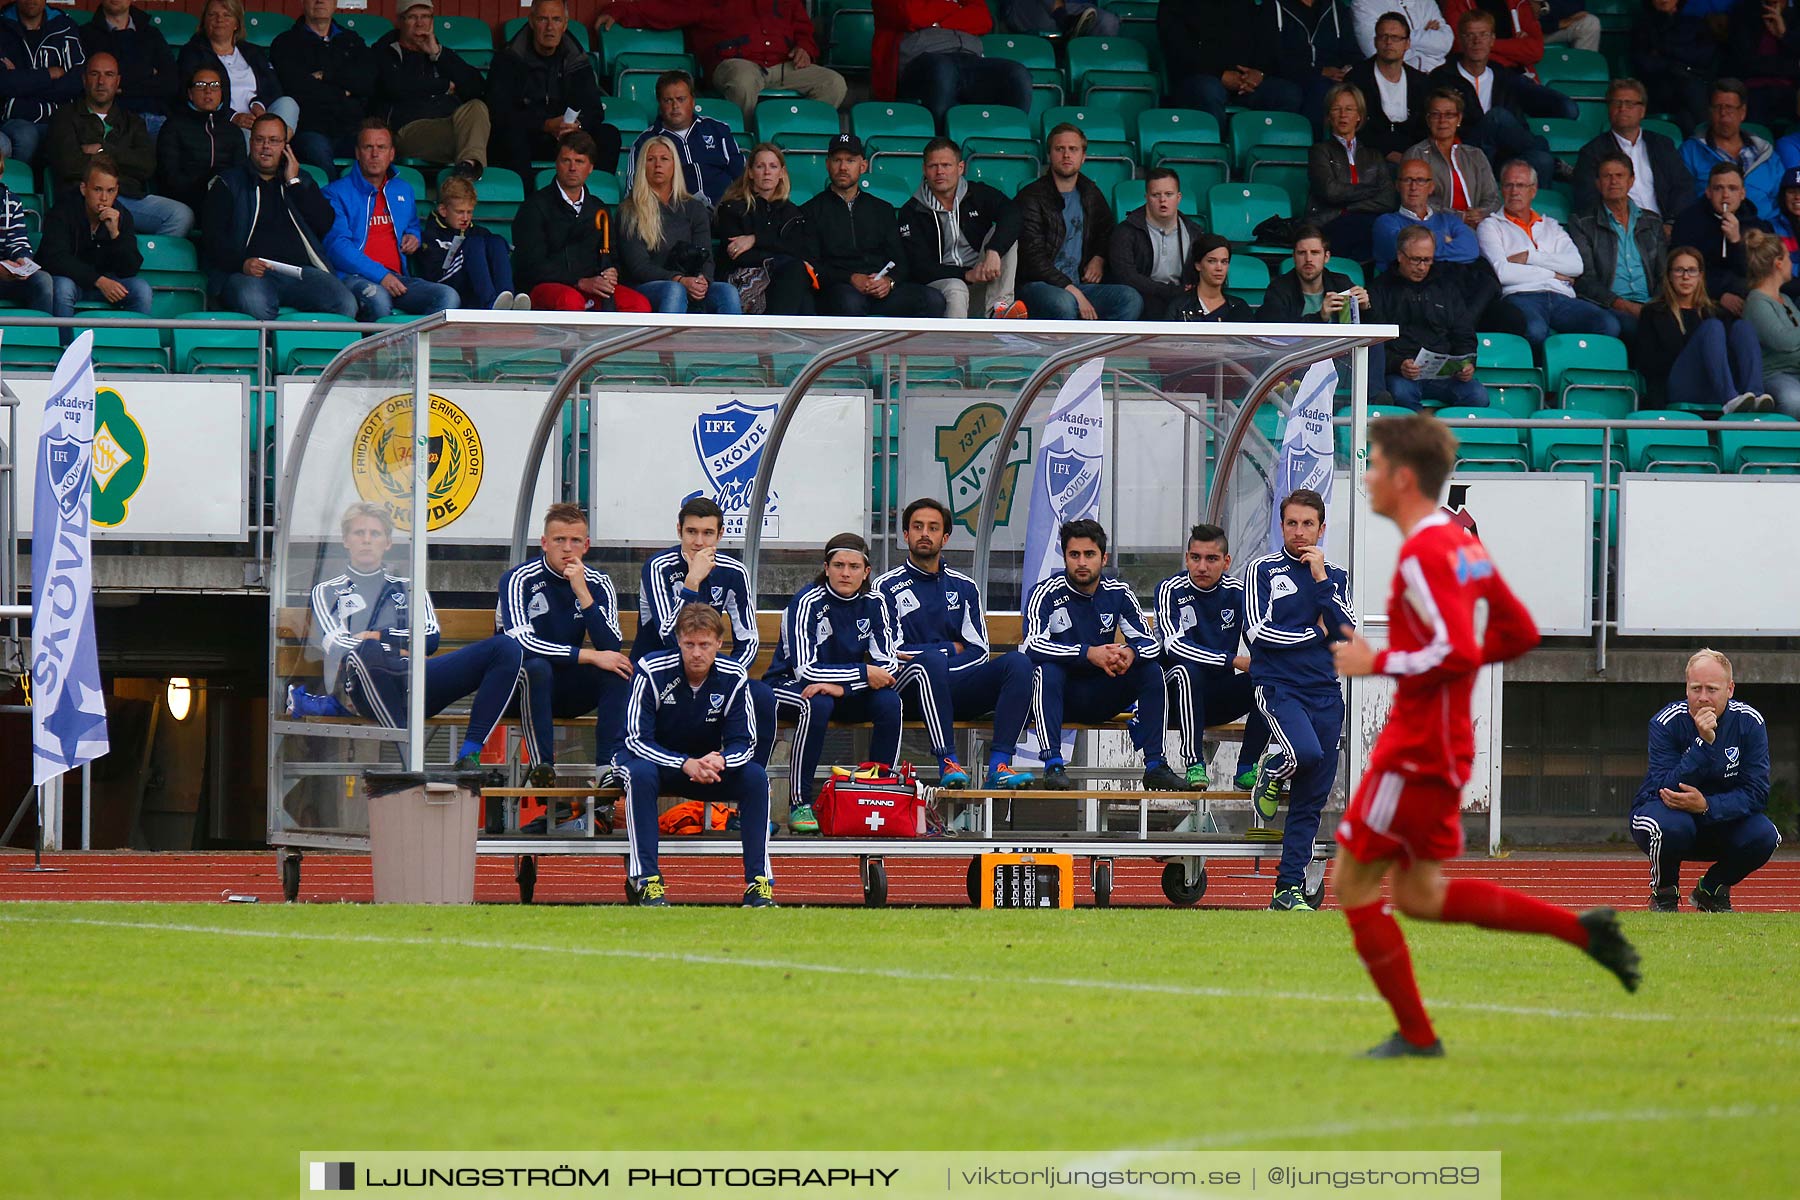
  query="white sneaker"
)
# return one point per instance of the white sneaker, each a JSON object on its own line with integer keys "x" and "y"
{"x": 522, "y": 302}
{"x": 503, "y": 302}
{"x": 1749, "y": 400}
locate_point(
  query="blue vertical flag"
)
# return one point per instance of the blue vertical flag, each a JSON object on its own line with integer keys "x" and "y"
{"x": 1070, "y": 466}
{"x": 68, "y": 709}
{"x": 1308, "y": 447}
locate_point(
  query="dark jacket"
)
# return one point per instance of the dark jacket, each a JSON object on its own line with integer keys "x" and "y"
{"x": 410, "y": 87}
{"x": 1757, "y": 56}
{"x": 1432, "y": 314}
{"x": 240, "y": 197}
{"x": 525, "y": 88}
{"x": 686, "y": 247}
{"x": 1283, "y": 301}
{"x": 1130, "y": 258}
{"x": 1504, "y": 91}
{"x": 28, "y": 91}
{"x": 779, "y": 228}
{"x": 337, "y": 103}
{"x": 1392, "y": 137}
{"x": 989, "y": 221}
{"x": 1328, "y": 181}
{"x": 1210, "y": 37}
{"x": 1592, "y": 232}
{"x": 1676, "y": 55}
{"x": 146, "y": 64}
{"x": 198, "y": 52}
{"x": 122, "y": 134}
{"x": 1186, "y": 307}
{"x": 1698, "y": 226}
{"x": 1669, "y": 175}
{"x": 193, "y": 147}
{"x": 853, "y": 239}
{"x": 552, "y": 243}
{"x": 1660, "y": 342}
{"x": 433, "y": 259}
{"x": 1041, "y": 229}
{"x": 73, "y": 251}
{"x": 1311, "y": 38}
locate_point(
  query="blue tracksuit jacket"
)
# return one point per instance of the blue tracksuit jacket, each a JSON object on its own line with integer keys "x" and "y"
{"x": 1062, "y": 623}
{"x": 1732, "y": 773}
{"x": 932, "y": 612}
{"x": 827, "y": 638}
{"x": 1199, "y": 627}
{"x": 670, "y": 721}
{"x": 662, "y": 591}
{"x": 1283, "y": 605}
{"x": 537, "y": 607}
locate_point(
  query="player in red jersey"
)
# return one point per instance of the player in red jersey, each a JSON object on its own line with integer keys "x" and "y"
{"x": 1449, "y": 613}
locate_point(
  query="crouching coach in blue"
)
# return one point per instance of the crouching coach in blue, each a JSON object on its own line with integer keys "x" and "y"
{"x": 689, "y": 732}
{"x": 1704, "y": 793}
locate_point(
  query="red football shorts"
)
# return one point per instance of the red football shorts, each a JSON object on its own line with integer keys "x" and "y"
{"x": 1396, "y": 817}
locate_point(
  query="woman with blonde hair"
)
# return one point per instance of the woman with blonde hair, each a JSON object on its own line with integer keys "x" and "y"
{"x": 665, "y": 238}
{"x": 1690, "y": 349}
{"x": 251, "y": 85}
{"x": 1777, "y": 321}
{"x": 1347, "y": 177}
{"x": 764, "y": 236}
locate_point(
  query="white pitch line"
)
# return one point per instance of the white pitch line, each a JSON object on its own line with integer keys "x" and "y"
{"x": 895, "y": 973}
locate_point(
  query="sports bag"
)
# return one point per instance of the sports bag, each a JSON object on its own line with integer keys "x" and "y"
{"x": 686, "y": 818}
{"x": 871, "y": 801}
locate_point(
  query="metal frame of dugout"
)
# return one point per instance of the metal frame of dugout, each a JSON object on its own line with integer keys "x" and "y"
{"x": 1248, "y": 360}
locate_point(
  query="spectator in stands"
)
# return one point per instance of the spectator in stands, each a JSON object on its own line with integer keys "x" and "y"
{"x": 1689, "y": 347}
{"x": 1763, "y": 48}
{"x": 1065, "y": 225}
{"x": 330, "y": 72}
{"x": 930, "y": 51}
{"x": 251, "y": 86}
{"x": 665, "y": 239}
{"x": 1716, "y": 227}
{"x": 1209, "y": 268}
{"x": 1497, "y": 101}
{"x": 1456, "y": 242}
{"x": 148, "y": 79}
{"x": 1429, "y": 36}
{"x": 90, "y": 246}
{"x": 459, "y": 254}
{"x": 744, "y": 46}
{"x": 1566, "y": 23}
{"x": 1785, "y": 223}
{"x": 763, "y": 234}
{"x": 431, "y": 98}
{"x": 961, "y": 238}
{"x": 98, "y": 123}
{"x": 1348, "y": 179}
{"x": 1723, "y": 139}
{"x": 1462, "y": 177}
{"x": 861, "y": 264}
{"x": 1705, "y": 790}
{"x": 1220, "y": 52}
{"x": 1518, "y": 38}
{"x": 1623, "y": 249}
{"x": 197, "y": 142}
{"x": 1660, "y": 180}
{"x": 1537, "y": 264}
{"x": 1674, "y": 51}
{"x": 539, "y": 78}
{"x": 1316, "y": 47}
{"x": 1397, "y": 89}
{"x": 33, "y": 290}
{"x": 1776, "y": 319}
{"x": 710, "y": 158}
{"x": 265, "y": 222}
{"x": 375, "y": 226}
{"x": 1070, "y": 18}
{"x": 1433, "y": 311}
{"x": 42, "y": 53}
{"x": 1310, "y": 291}
{"x": 562, "y": 240}
{"x": 1150, "y": 249}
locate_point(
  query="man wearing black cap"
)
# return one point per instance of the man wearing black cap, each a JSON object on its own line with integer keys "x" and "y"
{"x": 860, "y": 262}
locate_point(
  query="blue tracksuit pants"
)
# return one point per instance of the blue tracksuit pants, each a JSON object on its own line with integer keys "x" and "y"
{"x": 746, "y": 786}
{"x": 1083, "y": 693}
{"x": 1001, "y": 686}
{"x": 1304, "y": 727}
{"x": 1200, "y": 697}
{"x": 489, "y": 669}
{"x": 1670, "y": 836}
{"x": 565, "y": 689}
{"x": 813, "y": 717}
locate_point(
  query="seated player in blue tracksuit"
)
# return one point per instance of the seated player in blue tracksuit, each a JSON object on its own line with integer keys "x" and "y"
{"x": 1297, "y": 604}
{"x": 550, "y": 605}
{"x": 946, "y": 669}
{"x": 1072, "y": 623}
{"x": 835, "y": 662}
{"x": 1200, "y": 621}
{"x": 693, "y": 572}
{"x": 688, "y": 732}
{"x": 1704, "y": 793}
{"x": 363, "y": 622}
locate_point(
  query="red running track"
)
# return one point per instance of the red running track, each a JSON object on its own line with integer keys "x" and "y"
{"x": 1577, "y": 881}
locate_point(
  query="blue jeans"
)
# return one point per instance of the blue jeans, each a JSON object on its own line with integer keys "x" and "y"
{"x": 159, "y": 216}
{"x": 262, "y": 298}
{"x": 1207, "y": 93}
{"x": 939, "y": 81}
{"x": 486, "y": 269}
{"x": 421, "y": 297}
{"x": 1718, "y": 363}
{"x": 1546, "y": 313}
{"x": 1111, "y": 301}
{"x": 22, "y": 139}
{"x": 1036, "y": 16}
{"x": 68, "y": 293}
{"x": 1411, "y": 393}
{"x": 1786, "y": 391}
{"x": 37, "y": 292}
{"x": 668, "y": 296}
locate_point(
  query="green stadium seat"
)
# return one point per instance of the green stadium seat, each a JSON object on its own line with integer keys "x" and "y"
{"x": 802, "y": 123}
{"x": 1038, "y": 56}
{"x": 177, "y": 27}
{"x": 888, "y": 188}
{"x": 1198, "y": 178}
{"x": 1100, "y": 125}
{"x": 1583, "y": 74}
{"x": 1087, "y": 54}
{"x": 1760, "y": 443}
{"x": 1128, "y": 196}
{"x": 416, "y": 178}
{"x": 1178, "y": 135}
{"x": 1001, "y": 121}
{"x": 1486, "y": 449}
{"x": 1668, "y": 451}
{"x": 1290, "y": 177}
{"x": 1590, "y": 371}
{"x": 645, "y": 367}
{"x": 1557, "y": 448}
{"x": 1001, "y": 372}
{"x": 620, "y": 40}
{"x": 172, "y": 269}
{"x": 501, "y": 192}
{"x": 367, "y": 26}
{"x": 1552, "y": 204}
{"x": 511, "y": 29}
{"x": 1668, "y": 129}
{"x": 701, "y": 370}
{"x": 319, "y": 175}
{"x": 1280, "y": 137}
{"x": 1505, "y": 360}
{"x": 1108, "y": 173}
{"x": 635, "y": 72}
{"x": 303, "y": 351}
{"x": 1248, "y": 280}
{"x": 893, "y": 128}
{"x": 215, "y": 351}
{"x": 120, "y": 346}
{"x": 1006, "y": 174}
{"x": 471, "y": 37}
{"x": 1127, "y": 93}
{"x": 1234, "y": 210}
{"x": 806, "y": 176}
{"x": 630, "y": 117}
{"x": 261, "y": 28}
{"x": 852, "y": 34}
{"x": 31, "y": 348}
{"x": 1566, "y": 137}
{"x": 721, "y": 109}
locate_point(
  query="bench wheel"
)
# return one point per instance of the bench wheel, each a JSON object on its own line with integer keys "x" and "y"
{"x": 1176, "y": 887}
{"x": 975, "y": 881}
{"x": 290, "y": 876}
{"x": 875, "y": 884}
{"x": 1316, "y": 897}
{"x": 525, "y": 871}
{"x": 1103, "y": 882}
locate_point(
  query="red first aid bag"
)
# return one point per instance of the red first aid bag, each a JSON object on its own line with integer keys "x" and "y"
{"x": 871, "y": 801}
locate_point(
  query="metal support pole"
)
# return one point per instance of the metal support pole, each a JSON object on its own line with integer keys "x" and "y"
{"x": 421, "y": 511}
{"x": 1605, "y": 540}
{"x": 87, "y": 805}
{"x": 1360, "y": 523}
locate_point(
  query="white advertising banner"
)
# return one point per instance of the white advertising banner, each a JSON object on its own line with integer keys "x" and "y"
{"x": 652, "y": 451}
{"x": 1701, "y": 557}
{"x": 361, "y": 450}
{"x": 171, "y": 459}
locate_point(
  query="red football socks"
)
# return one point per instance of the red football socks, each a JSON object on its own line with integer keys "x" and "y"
{"x": 1382, "y": 947}
{"x": 1478, "y": 902}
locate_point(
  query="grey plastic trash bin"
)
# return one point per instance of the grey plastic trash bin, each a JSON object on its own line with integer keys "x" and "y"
{"x": 422, "y": 836}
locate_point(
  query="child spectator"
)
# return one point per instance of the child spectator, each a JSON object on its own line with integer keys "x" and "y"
{"x": 458, "y": 253}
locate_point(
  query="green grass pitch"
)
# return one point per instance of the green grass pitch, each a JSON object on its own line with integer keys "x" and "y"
{"x": 194, "y": 1051}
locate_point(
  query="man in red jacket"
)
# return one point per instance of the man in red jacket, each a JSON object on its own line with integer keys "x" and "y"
{"x": 930, "y": 51}
{"x": 743, "y": 46}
